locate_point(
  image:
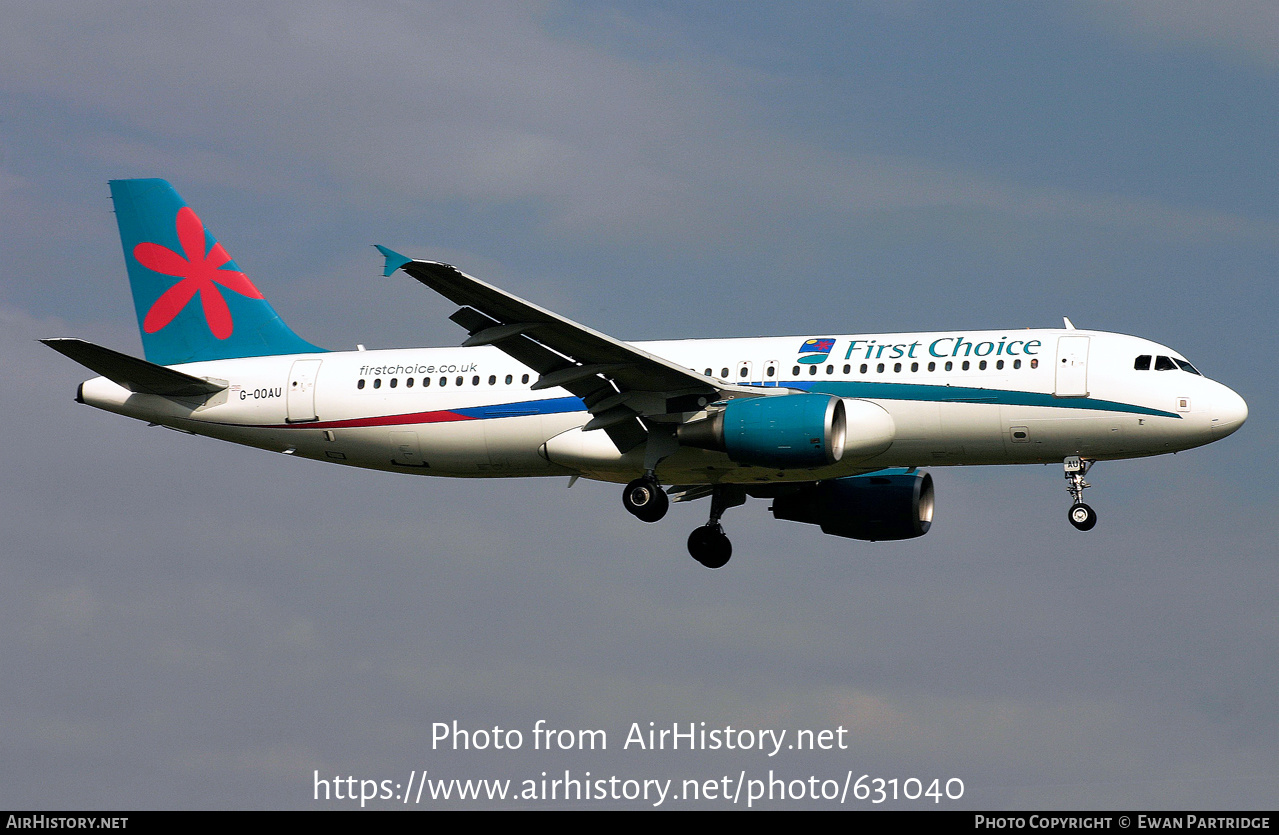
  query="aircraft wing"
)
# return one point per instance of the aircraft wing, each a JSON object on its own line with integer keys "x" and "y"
{"x": 619, "y": 383}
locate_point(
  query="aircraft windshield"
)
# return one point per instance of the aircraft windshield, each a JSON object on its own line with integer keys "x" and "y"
{"x": 1142, "y": 363}
{"x": 1185, "y": 366}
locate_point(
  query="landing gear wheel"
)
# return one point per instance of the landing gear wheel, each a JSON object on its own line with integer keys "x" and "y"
{"x": 644, "y": 499}
{"x": 709, "y": 546}
{"x": 1083, "y": 517}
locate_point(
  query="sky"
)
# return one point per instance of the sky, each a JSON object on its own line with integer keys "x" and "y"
{"x": 189, "y": 624}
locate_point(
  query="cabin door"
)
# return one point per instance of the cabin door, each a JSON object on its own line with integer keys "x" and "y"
{"x": 1072, "y": 367}
{"x": 300, "y": 399}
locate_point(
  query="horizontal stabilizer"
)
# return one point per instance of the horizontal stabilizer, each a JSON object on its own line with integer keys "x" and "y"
{"x": 132, "y": 373}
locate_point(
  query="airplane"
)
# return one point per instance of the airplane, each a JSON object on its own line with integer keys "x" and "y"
{"x": 832, "y": 428}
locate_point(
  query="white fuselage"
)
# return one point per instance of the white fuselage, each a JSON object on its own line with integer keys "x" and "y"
{"x": 992, "y": 397}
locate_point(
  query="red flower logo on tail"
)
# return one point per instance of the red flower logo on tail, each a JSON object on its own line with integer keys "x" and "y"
{"x": 200, "y": 273}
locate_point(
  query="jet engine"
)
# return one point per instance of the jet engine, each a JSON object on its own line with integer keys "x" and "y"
{"x": 790, "y": 431}
{"x": 884, "y": 505}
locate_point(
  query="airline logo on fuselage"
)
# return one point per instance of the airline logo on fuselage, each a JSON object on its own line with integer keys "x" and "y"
{"x": 816, "y": 350}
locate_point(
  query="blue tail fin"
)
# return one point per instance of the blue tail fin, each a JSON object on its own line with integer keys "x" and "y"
{"x": 193, "y": 302}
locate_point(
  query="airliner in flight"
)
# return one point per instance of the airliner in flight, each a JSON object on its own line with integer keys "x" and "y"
{"x": 832, "y": 428}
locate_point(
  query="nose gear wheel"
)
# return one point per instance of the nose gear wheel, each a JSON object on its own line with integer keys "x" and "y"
{"x": 1082, "y": 516}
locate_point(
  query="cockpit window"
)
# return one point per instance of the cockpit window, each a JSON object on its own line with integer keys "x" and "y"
{"x": 1165, "y": 364}
{"x": 1142, "y": 363}
{"x": 1185, "y": 366}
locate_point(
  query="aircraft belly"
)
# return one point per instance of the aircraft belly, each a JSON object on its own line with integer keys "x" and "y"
{"x": 1033, "y": 435}
{"x": 456, "y": 448}
{"x": 970, "y": 434}
{"x": 513, "y": 442}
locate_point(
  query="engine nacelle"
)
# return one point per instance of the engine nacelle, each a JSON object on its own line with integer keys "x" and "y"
{"x": 786, "y": 431}
{"x": 890, "y": 504}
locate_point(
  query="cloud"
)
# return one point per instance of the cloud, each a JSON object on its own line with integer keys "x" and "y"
{"x": 1237, "y": 30}
{"x": 425, "y": 103}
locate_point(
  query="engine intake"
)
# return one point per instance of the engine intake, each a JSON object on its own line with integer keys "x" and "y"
{"x": 785, "y": 431}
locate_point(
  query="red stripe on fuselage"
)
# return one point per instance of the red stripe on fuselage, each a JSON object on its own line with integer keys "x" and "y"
{"x": 384, "y": 420}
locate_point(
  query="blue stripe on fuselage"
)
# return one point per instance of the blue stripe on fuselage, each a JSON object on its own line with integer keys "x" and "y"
{"x": 859, "y": 390}
{"x": 966, "y": 394}
{"x": 552, "y": 406}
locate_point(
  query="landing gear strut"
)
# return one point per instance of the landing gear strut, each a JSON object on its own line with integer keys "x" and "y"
{"x": 708, "y": 544}
{"x": 1081, "y": 515}
{"x": 644, "y": 499}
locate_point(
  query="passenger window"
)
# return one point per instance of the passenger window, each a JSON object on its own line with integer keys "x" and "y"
{"x": 879, "y": 368}
{"x": 742, "y": 372}
{"x": 863, "y": 368}
{"x": 897, "y": 367}
{"x": 1034, "y": 363}
{"x": 932, "y": 366}
{"x": 460, "y": 380}
{"x": 475, "y": 381}
{"x": 1142, "y": 363}
{"x": 1164, "y": 364}
{"x": 771, "y": 371}
{"x": 1016, "y": 363}
{"x": 847, "y": 368}
{"x": 723, "y": 373}
{"x": 426, "y": 381}
{"x": 707, "y": 372}
{"x": 360, "y": 384}
{"x": 492, "y": 379}
{"x": 394, "y": 382}
{"x": 982, "y": 365}
{"x": 999, "y": 364}
{"x": 524, "y": 378}
{"x": 830, "y": 369}
{"x": 966, "y": 364}
{"x": 509, "y": 378}
{"x": 949, "y": 365}
{"x": 914, "y": 366}
{"x": 444, "y": 381}
{"x": 408, "y": 383}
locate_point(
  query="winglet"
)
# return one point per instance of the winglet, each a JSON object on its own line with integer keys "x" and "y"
{"x": 394, "y": 260}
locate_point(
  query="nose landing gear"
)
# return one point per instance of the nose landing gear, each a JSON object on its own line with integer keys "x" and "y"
{"x": 1082, "y": 516}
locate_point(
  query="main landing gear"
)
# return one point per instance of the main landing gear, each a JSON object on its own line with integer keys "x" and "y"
{"x": 1081, "y": 515}
{"x": 643, "y": 498}
{"x": 708, "y": 544}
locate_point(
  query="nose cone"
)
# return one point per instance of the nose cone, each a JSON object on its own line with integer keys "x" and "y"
{"x": 1229, "y": 411}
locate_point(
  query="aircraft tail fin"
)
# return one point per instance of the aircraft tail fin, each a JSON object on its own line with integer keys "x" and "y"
{"x": 193, "y": 302}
